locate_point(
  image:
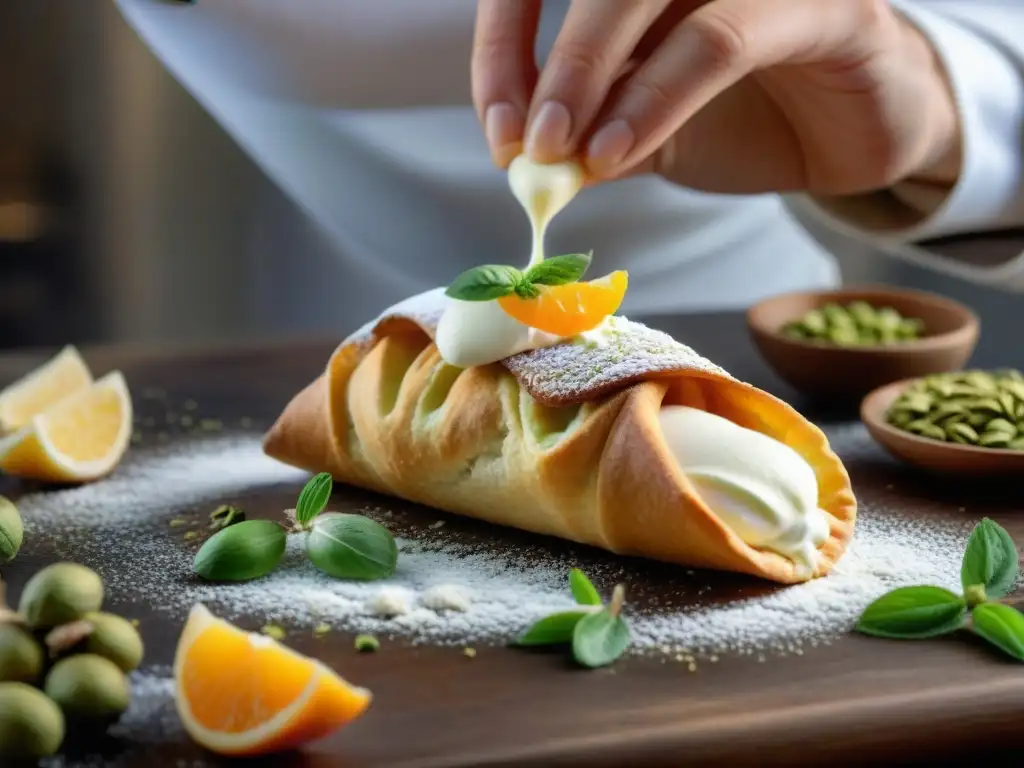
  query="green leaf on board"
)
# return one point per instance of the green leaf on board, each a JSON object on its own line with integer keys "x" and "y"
{"x": 553, "y": 630}
{"x": 583, "y": 591}
{"x": 350, "y": 546}
{"x": 313, "y": 498}
{"x": 241, "y": 552}
{"x": 601, "y": 638}
{"x": 990, "y": 560}
{"x": 1002, "y": 625}
{"x": 910, "y": 613}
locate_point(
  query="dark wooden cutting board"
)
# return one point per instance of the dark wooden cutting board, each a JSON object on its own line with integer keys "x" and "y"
{"x": 856, "y": 701}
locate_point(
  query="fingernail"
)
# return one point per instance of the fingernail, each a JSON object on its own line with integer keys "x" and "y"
{"x": 503, "y": 127}
{"x": 609, "y": 146}
{"x": 548, "y": 137}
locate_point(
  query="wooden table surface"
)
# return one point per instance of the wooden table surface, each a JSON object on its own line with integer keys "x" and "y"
{"x": 856, "y": 701}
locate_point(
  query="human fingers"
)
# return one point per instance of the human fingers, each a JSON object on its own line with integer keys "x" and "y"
{"x": 710, "y": 50}
{"x": 504, "y": 71}
{"x": 596, "y": 39}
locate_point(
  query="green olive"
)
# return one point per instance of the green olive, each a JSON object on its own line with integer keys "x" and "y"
{"x": 21, "y": 657}
{"x": 60, "y": 594}
{"x": 88, "y": 686}
{"x": 31, "y": 725}
{"x": 116, "y": 639}
{"x": 12, "y": 532}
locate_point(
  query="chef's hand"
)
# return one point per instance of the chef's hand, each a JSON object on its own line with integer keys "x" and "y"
{"x": 735, "y": 96}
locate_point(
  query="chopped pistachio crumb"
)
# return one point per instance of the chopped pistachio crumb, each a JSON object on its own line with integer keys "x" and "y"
{"x": 321, "y": 629}
{"x": 178, "y": 522}
{"x": 469, "y": 653}
{"x": 367, "y": 643}
{"x": 274, "y": 631}
{"x": 211, "y": 425}
{"x": 190, "y": 535}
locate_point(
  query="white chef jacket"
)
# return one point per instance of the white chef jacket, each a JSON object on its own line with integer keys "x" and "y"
{"x": 360, "y": 111}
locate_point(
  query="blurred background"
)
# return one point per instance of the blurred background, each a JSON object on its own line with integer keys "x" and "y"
{"x": 126, "y": 214}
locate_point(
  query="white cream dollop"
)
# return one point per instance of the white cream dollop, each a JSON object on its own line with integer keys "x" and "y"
{"x": 759, "y": 487}
{"x": 474, "y": 333}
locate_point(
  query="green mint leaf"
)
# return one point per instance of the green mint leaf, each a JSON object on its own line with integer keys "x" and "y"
{"x": 552, "y": 630}
{"x": 602, "y": 637}
{"x": 1002, "y": 625}
{"x": 990, "y": 560}
{"x": 486, "y": 283}
{"x": 559, "y": 270}
{"x": 352, "y": 547}
{"x": 913, "y": 613}
{"x": 599, "y": 639}
{"x": 242, "y": 552}
{"x": 583, "y": 591}
{"x": 314, "y": 498}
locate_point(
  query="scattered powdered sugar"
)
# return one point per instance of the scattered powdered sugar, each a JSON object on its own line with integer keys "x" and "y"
{"x": 121, "y": 527}
{"x": 151, "y": 716}
{"x": 153, "y": 481}
{"x": 887, "y": 552}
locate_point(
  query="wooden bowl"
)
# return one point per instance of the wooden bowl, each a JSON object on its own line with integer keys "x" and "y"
{"x": 819, "y": 369}
{"x": 934, "y": 455}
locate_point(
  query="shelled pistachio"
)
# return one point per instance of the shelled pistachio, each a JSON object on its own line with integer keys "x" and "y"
{"x": 979, "y": 408}
{"x": 855, "y": 324}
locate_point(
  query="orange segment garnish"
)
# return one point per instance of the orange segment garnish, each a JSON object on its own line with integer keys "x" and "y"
{"x": 566, "y": 310}
{"x": 240, "y": 693}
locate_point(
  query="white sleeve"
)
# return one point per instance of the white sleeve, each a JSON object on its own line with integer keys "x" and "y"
{"x": 981, "y": 44}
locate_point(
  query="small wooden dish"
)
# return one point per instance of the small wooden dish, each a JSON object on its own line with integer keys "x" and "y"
{"x": 818, "y": 369}
{"x": 933, "y": 455}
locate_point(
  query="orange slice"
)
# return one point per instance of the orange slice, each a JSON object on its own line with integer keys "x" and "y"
{"x": 81, "y": 438}
{"x": 63, "y": 375}
{"x": 240, "y": 693}
{"x": 566, "y": 310}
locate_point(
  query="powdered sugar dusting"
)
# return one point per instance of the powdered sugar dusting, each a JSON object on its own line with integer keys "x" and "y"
{"x": 580, "y": 371}
{"x": 574, "y": 371}
{"x": 424, "y": 309}
{"x": 121, "y": 526}
{"x": 156, "y": 481}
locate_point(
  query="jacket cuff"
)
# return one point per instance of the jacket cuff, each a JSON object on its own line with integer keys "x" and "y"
{"x": 988, "y": 87}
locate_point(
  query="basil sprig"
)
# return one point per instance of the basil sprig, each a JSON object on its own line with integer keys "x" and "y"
{"x": 495, "y": 281}
{"x": 345, "y": 546}
{"x": 989, "y": 571}
{"x": 599, "y": 635}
